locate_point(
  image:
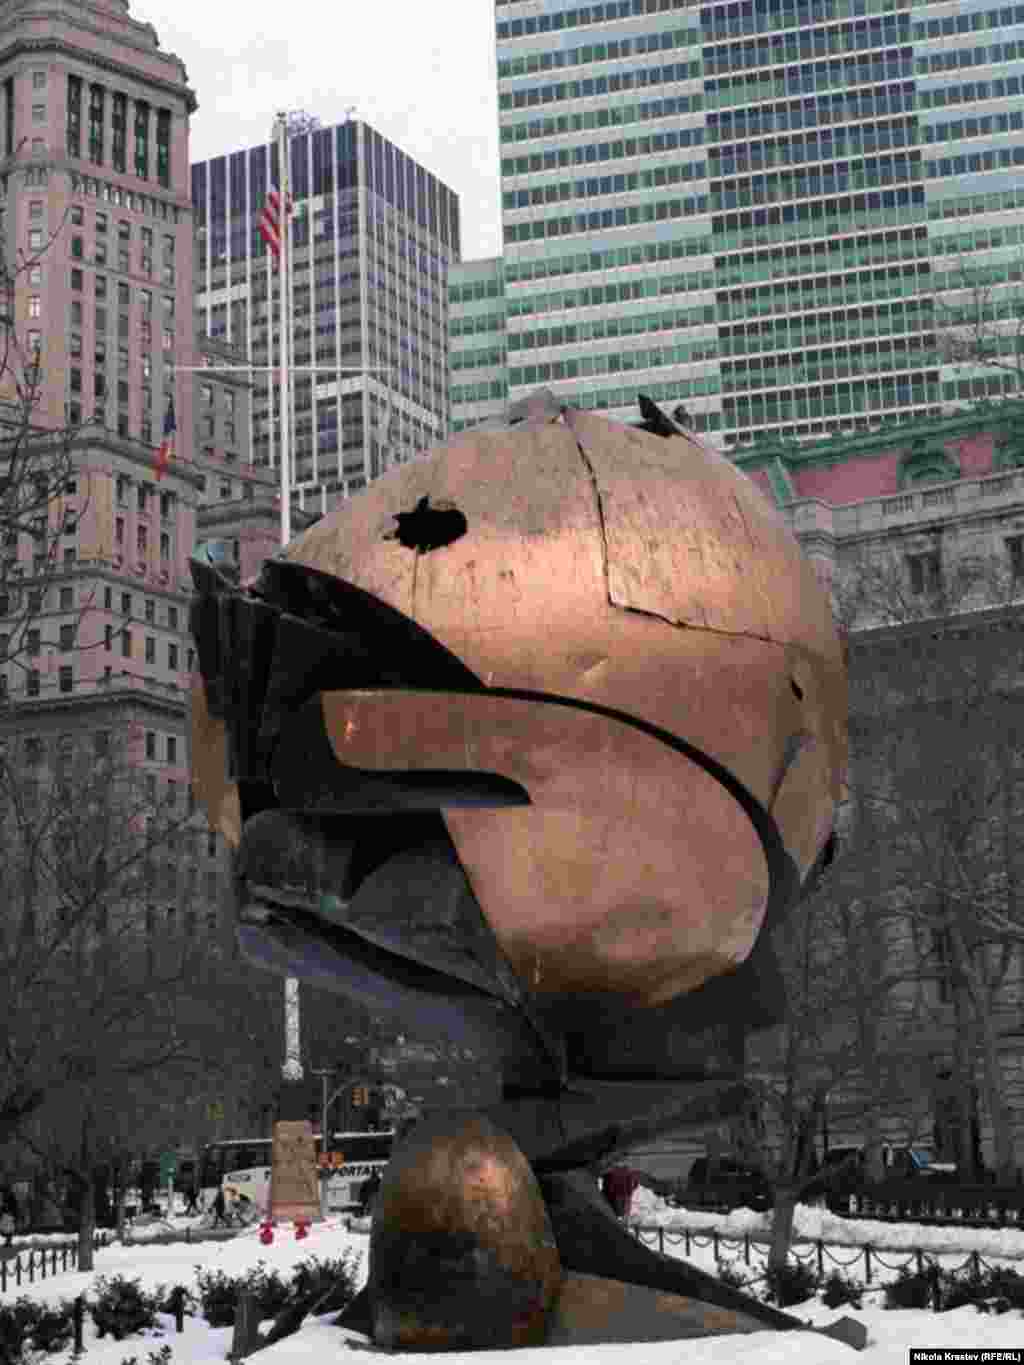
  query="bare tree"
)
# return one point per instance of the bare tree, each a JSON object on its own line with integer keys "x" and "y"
{"x": 40, "y": 503}
{"x": 979, "y": 318}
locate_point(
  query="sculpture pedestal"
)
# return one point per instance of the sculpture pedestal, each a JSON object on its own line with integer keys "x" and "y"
{"x": 294, "y": 1186}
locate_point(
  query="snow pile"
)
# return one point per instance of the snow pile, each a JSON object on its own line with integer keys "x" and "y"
{"x": 817, "y": 1224}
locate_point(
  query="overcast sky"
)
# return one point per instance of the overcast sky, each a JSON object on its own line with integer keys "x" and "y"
{"x": 422, "y": 72}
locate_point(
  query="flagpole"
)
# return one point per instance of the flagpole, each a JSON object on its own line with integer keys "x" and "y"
{"x": 284, "y": 281}
{"x": 292, "y": 1068}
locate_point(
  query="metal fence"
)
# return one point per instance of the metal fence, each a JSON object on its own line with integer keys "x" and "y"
{"x": 28, "y": 1264}
{"x": 920, "y": 1200}
{"x": 811, "y": 1252}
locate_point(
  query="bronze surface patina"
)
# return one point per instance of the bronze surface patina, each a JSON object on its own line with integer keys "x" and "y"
{"x": 531, "y": 745}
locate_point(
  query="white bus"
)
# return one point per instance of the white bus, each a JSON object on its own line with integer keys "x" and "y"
{"x": 241, "y": 1166}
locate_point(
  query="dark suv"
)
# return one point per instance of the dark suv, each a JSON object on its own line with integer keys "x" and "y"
{"x": 730, "y": 1183}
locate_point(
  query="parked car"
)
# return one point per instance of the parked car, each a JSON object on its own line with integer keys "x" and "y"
{"x": 729, "y": 1181}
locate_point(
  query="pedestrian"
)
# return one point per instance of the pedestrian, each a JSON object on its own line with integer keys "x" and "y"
{"x": 619, "y": 1185}
{"x": 369, "y": 1192}
{"x": 192, "y": 1203}
{"x": 218, "y": 1208}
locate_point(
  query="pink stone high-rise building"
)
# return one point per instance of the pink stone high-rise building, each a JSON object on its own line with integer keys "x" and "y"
{"x": 97, "y": 233}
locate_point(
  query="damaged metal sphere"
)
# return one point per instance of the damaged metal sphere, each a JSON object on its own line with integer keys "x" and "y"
{"x": 462, "y": 1254}
{"x": 659, "y": 675}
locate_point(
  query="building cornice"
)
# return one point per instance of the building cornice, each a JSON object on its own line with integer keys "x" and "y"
{"x": 19, "y": 45}
{"x": 838, "y": 450}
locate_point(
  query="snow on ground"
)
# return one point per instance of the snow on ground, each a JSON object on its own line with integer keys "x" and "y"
{"x": 815, "y": 1223}
{"x": 890, "y": 1333}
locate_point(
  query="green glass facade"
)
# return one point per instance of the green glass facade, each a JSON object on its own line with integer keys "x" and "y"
{"x": 749, "y": 208}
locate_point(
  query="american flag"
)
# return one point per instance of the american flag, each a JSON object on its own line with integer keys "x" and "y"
{"x": 270, "y": 223}
{"x": 166, "y": 448}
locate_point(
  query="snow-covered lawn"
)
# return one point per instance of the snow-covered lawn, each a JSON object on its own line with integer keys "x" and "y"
{"x": 890, "y": 1333}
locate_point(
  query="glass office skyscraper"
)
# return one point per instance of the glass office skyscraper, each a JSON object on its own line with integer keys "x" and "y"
{"x": 373, "y": 234}
{"x": 748, "y": 208}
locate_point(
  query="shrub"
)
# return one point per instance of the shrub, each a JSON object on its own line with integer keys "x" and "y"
{"x": 958, "y": 1290}
{"x": 313, "y": 1278}
{"x": 1004, "y": 1289}
{"x": 218, "y": 1295}
{"x": 910, "y": 1289}
{"x": 838, "y": 1289}
{"x": 791, "y": 1283}
{"x": 166, "y": 1298}
{"x": 121, "y": 1308}
{"x": 161, "y": 1357}
{"x": 27, "y": 1323}
{"x": 729, "y": 1273}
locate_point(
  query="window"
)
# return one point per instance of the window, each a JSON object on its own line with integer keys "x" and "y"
{"x": 32, "y": 683}
{"x": 67, "y": 638}
{"x": 172, "y": 658}
{"x": 141, "y": 541}
{"x": 75, "y": 345}
{"x": 101, "y": 743}
{"x": 925, "y": 573}
{"x": 100, "y": 253}
{"x": 35, "y": 239}
{"x": 35, "y": 209}
{"x": 32, "y": 643}
{"x": 124, "y": 295}
{"x": 165, "y": 546}
{"x": 126, "y": 644}
{"x": 108, "y": 637}
{"x": 108, "y": 598}
{"x": 166, "y": 505}
{"x": 35, "y": 274}
{"x": 67, "y": 599}
{"x": 206, "y": 395}
{"x": 38, "y": 80}
{"x": 35, "y": 306}
{"x": 39, "y": 113}
{"x": 66, "y": 678}
{"x": 76, "y": 313}
{"x": 96, "y": 103}
{"x": 190, "y": 665}
{"x": 146, "y": 301}
{"x": 168, "y": 340}
{"x": 101, "y": 292}
{"x": 142, "y": 497}
{"x": 150, "y": 744}
{"x": 102, "y": 224}
{"x": 126, "y": 604}
{"x": 1015, "y": 550}
{"x": 172, "y": 749}
{"x": 35, "y": 342}
{"x": 150, "y": 650}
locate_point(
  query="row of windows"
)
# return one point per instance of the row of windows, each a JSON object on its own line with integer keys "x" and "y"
{"x": 771, "y": 409}
{"x": 737, "y": 21}
{"x": 810, "y": 77}
{"x": 840, "y": 367}
{"x": 615, "y": 116}
{"x": 817, "y": 294}
{"x": 862, "y": 213}
{"x": 669, "y": 141}
{"x": 129, "y": 199}
{"x": 614, "y": 362}
{"x": 579, "y": 18}
{"x": 661, "y": 210}
{"x": 859, "y": 140}
{"x": 816, "y": 184}
{"x": 953, "y": 60}
{"x": 634, "y": 324}
{"x": 848, "y": 106}
{"x": 529, "y": 96}
{"x": 124, "y": 294}
{"x": 782, "y": 48}
{"x": 625, "y": 182}
{"x": 622, "y": 49}
{"x": 483, "y": 322}
{"x": 802, "y": 333}
{"x": 823, "y": 257}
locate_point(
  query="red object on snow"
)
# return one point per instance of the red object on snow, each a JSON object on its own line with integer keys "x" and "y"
{"x": 301, "y": 1229}
{"x": 267, "y": 1233}
{"x": 620, "y": 1184}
